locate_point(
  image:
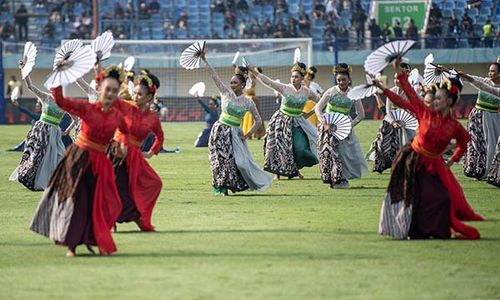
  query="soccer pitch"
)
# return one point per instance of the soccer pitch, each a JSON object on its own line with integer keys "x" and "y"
{"x": 298, "y": 240}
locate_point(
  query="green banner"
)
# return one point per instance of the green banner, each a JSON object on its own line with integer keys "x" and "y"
{"x": 404, "y": 11}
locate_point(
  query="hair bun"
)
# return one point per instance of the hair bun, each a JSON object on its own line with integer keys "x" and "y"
{"x": 242, "y": 71}
{"x": 299, "y": 67}
{"x": 342, "y": 68}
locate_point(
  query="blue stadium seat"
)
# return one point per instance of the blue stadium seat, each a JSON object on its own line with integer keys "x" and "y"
{"x": 459, "y": 12}
{"x": 473, "y": 12}
{"x": 487, "y": 3}
{"x": 461, "y": 4}
{"x": 481, "y": 20}
{"x": 485, "y": 11}
{"x": 449, "y": 5}
{"x": 447, "y": 13}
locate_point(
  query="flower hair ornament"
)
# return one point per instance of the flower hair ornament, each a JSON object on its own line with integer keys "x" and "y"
{"x": 242, "y": 71}
{"x": 447, "y": 85}
{"x": 148, "y": 82}
{"x": 112, "y": 71}
{"x": 298, "y": 68}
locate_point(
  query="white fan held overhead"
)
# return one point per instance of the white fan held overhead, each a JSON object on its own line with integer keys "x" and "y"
{"x": 244, "y": 62}
{"x": 434, "y": 74}
{"x": 197, "y": 90}
{"x": 28, "y": 60}
{"x": 190, "y": 57}
{"x": 364, "y": 90}
{"x": 71, "y": 62}
{"x": 385, "y": 54}
{"x": 102, "y": 46}
{"x": 128, "y": 64}
{"x": 429, "y": 59}
{"x": 235, "y": 58}
{"x": 296, "y": 55}
{"x": 339, "y": 123}
{"x": 403, "y": 118}
{"x": 415, "y": 78}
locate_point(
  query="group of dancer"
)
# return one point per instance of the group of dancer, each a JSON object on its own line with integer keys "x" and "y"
{"x": 103, "y": 177}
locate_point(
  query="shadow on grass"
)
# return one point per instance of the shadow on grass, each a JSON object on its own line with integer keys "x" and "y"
{"x": 284, "y": 255}
{"x": 267, "y": 195}
{"x": 195, "y": 231}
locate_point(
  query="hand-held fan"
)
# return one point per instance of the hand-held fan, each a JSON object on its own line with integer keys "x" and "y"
{"x": 72, "y": 61}
{"x": 14, "y": 95}
{"x": 28, "y": 60}
{"x": 235, "y": 58}
{"x": 405, "y": 119}
{"x": 190, "y": 57}
{"x": 363, "y": 91}
{"x": 102, "y": 46}
{"x": 128, "y": 64}
{"x": 433, "y": 74}
{"x": 415, "y": 78}
{"x": 197, "y": 90}
{"x": 296, "y": 55}
{"x": 339, "y": 123}
{"x": 385, "y": 54}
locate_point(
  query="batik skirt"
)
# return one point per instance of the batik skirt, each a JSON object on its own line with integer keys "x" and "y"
{"x": 231, "y": 162}
{"x": 290, "y": 145}
{"x": 42, "y": 152}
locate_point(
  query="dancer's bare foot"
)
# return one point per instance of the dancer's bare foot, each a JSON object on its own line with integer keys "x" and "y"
{"x": 70, "y": 253}
{"x": 276, "y": 177}
{"x": 301, "y": 176}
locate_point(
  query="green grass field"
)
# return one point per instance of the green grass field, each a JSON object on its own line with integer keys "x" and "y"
{"x": 298, "y": 240}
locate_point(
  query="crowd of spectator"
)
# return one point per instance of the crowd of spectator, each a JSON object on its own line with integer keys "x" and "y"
{"x": 52, "y": 19}
{"x": 332, "y": 22}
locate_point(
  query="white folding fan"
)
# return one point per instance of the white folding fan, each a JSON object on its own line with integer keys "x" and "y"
{"x": 296, "y": 55}
{"x": 14, "y": 95}
{"x": 405, "y": 119}
{"x": 190, "y": 57}
{"x": 429, "y": 59}
{"x": 244, "y": 62}
{"x": 128, "y": 64}
{"x": 363, "y": 91}
{"x": 385, "y": 54}
{"x": 28, "y": 60}
{"x": 339, "y": 123}
{"x": 130, "y": 87}
{"x": 197, "y": 90}
{"x": 235, "y": 58}
{"x": 434, "y": 74}
{"x": 72, "y": 61}
{"x": 102, "y": 45}
{"x": 415, "y": 78}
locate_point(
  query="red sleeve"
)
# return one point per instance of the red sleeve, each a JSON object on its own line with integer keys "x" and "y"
{"x": 415, "y": 101}
{"x": 398, "y": 100}
{"x": 122, "y": 126}
{"x": 73, "y": 106}
{"x": 123, "y": 106}
{"x": 158, "y": 132}
{"x": 462, "y": 137}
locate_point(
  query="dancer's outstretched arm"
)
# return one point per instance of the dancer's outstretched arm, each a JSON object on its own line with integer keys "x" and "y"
{"x": 43, "y": 96}
{"x": 480, "y": 83}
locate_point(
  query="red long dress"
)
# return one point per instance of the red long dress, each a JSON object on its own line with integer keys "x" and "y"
{"x": 434, "y": 133}
{"x": 98, "y": 128}
{"x": 144, "y": 185}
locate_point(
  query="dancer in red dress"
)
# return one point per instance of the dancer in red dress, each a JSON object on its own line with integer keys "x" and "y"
{"x": 424, "y": 198}
{"x": 138, "y": 184}
{"x": 81, "y": 203}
